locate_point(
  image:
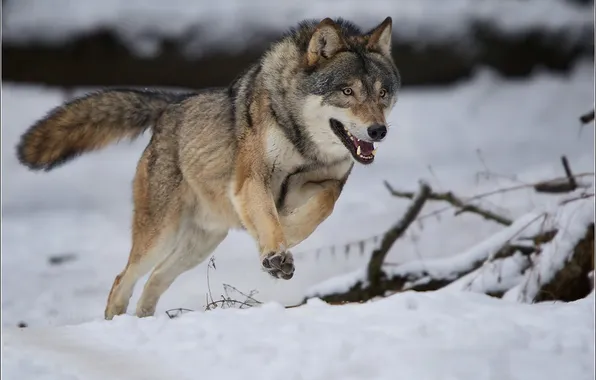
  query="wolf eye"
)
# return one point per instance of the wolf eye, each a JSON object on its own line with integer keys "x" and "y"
{"x": 347, "y": 91}
{"x": 383, "y": 93}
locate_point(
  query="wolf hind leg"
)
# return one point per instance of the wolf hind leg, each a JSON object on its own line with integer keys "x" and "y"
{"x": 140, "y": 262}
{"x": 149, "y": 240}
{"x": 191, "y": 247}
{"x": 150, "y": 229}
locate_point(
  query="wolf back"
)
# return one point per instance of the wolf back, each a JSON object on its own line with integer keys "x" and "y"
{"x": 269, "y": 154}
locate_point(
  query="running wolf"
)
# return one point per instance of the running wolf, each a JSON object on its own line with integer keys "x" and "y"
{"x": 268, "y": 154}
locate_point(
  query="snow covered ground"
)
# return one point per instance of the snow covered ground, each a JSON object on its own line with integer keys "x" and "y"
{"x": 426, "y": 336}
{"x": 444, "y": 135}
{"x": 202, "y": 25}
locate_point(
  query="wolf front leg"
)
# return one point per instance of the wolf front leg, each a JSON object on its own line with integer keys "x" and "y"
{"x": 256, "y": 208}
{"x": 301, "y": 221}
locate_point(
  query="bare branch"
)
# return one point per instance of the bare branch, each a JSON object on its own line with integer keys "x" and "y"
{"x": 581, "y": 196}
{"x": 379, "y": 254}
{"x": 417, "y": 278}
{"x": 525, "y": 186}
{"x": 456, "y": 202}
{"x": 436, "y": 213}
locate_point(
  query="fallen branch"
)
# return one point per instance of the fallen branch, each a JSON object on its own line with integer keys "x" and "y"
{"x": 560, "y": 271}
{"x": 428, "y": 275}
{"x": 505, "y": 268}
{"x": 496, "y": 276}
{"x": 374, "y": 272}
{"x": 572, "y": 282}
{"x": 456, "y": 202}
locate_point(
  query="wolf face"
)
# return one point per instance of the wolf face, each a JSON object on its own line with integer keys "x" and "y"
{"x": 351, "y": 87}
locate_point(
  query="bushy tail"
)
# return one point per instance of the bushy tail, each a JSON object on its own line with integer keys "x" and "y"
{"x": 91, "y": 123}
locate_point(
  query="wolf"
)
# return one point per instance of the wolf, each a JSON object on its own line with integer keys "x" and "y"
{"x": 269, "y": 154}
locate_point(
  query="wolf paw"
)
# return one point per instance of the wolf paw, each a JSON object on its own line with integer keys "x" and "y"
{"x": 279, "y": 265}
{"x": 114, "y": 310}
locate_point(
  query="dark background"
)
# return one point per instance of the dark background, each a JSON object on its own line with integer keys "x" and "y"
{"x": 99, "y": 56}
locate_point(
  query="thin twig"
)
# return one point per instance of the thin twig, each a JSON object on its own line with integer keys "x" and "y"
{"x": 226, "y": 302}
{"x": 450, "y": 198}
{"x": 210, "y": 265}
{"x": 524, "y": 186}
{"x": 499, "y": 191}
{"x": 174, "y": 313}
{"x": 581, "y": 196}
{"x": 378, "y": 256}
{"x": 248, "y": 298}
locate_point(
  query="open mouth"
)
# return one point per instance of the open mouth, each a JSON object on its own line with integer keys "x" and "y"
{"x": 362, "y": 151}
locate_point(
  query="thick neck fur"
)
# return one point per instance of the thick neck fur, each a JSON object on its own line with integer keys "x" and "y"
{"x": 281, "y": 73}
{"x": 289, "y": 89}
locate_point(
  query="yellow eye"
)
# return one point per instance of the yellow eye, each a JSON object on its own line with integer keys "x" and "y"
{"x": 347, "y": 91}
{"x": 383, "y": 93}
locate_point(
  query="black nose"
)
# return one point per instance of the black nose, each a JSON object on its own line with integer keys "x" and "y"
{"x": 377, "y": 132}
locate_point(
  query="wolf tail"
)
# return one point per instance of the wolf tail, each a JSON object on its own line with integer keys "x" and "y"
{"x": 90, "y": 123}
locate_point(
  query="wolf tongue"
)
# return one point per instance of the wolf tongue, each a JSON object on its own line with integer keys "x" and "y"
{"x": 366, "y": 148}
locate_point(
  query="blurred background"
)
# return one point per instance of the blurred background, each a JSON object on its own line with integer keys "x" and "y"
{"x": 193, "y": 43}
{"x": 492, "y": 93}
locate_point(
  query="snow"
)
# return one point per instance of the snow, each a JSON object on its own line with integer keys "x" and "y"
{"x": 520, "y": 128}
{"x": 509, "y": 274}
{"x": 203, "y": 25}
{"x": 84, "y": 208}
{"x": 338, "y": 284}
{"x": 495, "y": 276}
{"x": 428, "y": 336}
{"x": 447, "y": 268}
{"x": 572, "y": 222}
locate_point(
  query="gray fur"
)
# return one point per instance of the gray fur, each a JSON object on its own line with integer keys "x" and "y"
{"x": 269, "y": 154}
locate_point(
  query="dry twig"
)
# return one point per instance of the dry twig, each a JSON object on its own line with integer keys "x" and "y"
{"x": 378, "y": 256}
{"x": 581, "y": 196}
{"x": 456, "y": 202}
{"x": 175, "y": 313}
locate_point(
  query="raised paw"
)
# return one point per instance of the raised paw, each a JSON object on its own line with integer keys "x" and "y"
{"x": 279, "y": 265}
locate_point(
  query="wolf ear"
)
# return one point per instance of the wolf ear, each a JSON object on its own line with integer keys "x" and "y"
{"x": 380, "y": 37}
{"x": 325, "y": 42}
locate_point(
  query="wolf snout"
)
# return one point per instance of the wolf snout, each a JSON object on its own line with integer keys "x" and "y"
{"x": 377, "y": 132}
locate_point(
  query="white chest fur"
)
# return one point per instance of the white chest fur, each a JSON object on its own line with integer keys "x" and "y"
{"x": 288, "y": 166}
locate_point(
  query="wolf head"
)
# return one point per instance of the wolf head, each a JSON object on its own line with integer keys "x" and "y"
{"x": 350, "y": 86}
